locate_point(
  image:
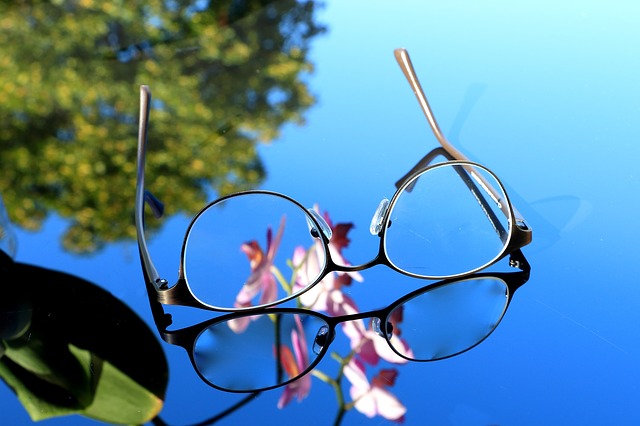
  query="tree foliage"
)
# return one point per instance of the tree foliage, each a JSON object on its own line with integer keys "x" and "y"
{"x": 224, "y": 76}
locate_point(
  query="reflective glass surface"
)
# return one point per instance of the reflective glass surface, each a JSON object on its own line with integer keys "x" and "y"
{"x": 307, "y": 100}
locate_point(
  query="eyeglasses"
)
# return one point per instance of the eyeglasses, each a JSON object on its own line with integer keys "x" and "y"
{"x": 445, "y": 220}
{"x": 271, "y": 347}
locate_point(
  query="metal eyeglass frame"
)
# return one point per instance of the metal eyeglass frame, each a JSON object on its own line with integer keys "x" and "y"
{"x": 180, "y": 293}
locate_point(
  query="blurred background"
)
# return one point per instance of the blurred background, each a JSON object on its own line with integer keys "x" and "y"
{"x": 305, "y": 98}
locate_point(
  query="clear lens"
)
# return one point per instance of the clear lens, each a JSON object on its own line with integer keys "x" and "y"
{"x": 449, "y": 220}
{"x": 449, "y": 319}
{"x": 256, "y": 352}
{"x": 238, "y": 251}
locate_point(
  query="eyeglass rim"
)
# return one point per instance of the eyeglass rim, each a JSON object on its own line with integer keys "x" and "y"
{"x": 188, "y": 336}
{"x": 410, "y": 179}
{"x": 182, "y": 272}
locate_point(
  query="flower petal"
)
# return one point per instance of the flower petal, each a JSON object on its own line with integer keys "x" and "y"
{"x": 386, "y": 404}
{"x": 354, "y": 372}
{"x": 295, "y": 365}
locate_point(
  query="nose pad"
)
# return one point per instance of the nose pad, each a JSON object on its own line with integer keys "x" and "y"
{"x": 387, "y": 333}
{"x": 324, "y": 227}
{"x": 322, "y": 339}
{"x": 376, "y": 220}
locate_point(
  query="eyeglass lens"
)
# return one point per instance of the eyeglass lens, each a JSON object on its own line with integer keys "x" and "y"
{"x": 238, "y": 251}
{"x": 438, "y": 227}
{"x": 254, "y": 352}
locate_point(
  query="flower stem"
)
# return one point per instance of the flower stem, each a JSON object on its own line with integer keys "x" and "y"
{"x": 283, "y": 282}
{"x": 335, "y": 384}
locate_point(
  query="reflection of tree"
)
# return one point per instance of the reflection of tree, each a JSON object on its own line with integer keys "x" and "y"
{"x": 224, "y": 75}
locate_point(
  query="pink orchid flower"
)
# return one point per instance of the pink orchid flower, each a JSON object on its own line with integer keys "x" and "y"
{"x": 372, "y": 347}
{"x": 261, "y": 278}
{"x": 326, "y": 295}
{"x": 294, "y": 365}
{"x": 373, "y": 398}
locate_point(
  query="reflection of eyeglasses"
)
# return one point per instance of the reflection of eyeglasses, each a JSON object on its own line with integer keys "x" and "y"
{"x": 445, "y": 221}
{"x": 270, "y": 347}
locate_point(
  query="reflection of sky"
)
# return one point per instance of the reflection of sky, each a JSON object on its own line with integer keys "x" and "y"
{"x": 544, "y": 94}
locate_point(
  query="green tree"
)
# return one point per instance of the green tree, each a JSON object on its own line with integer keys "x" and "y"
{"x": 224, "y": 75}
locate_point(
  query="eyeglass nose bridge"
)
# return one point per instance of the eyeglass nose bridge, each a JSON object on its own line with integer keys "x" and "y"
{"x": 376, "y": 221}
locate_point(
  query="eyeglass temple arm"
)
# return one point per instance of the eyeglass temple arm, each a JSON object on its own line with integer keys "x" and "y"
{"x": 423, "y": 163}
{"x": 403, "y": 59}
{"x": 151, "y": 273}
